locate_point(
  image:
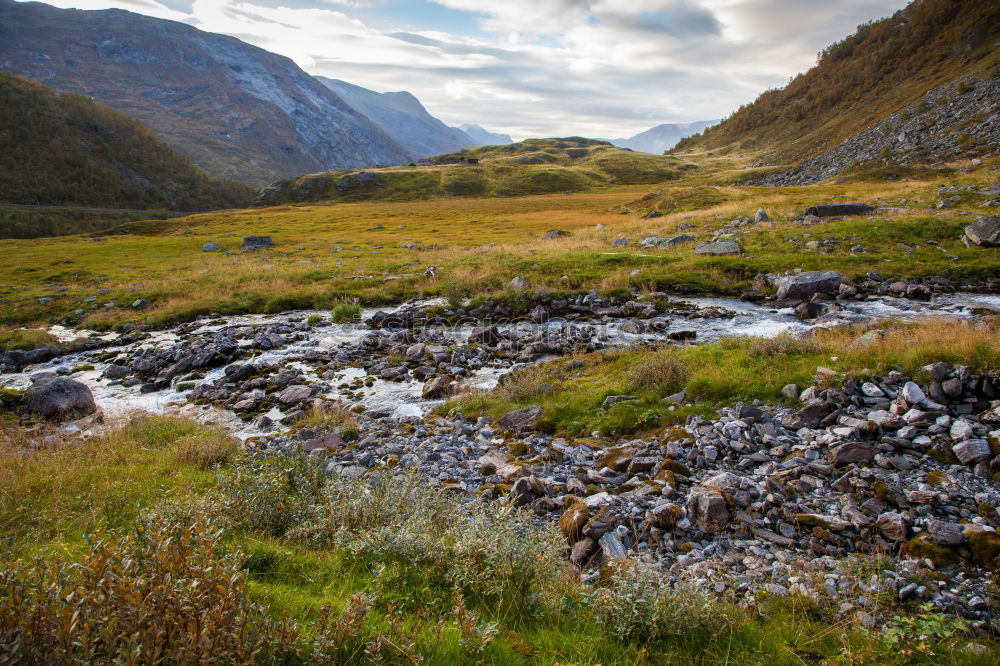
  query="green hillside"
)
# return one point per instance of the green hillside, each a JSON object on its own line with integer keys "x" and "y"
{"x": 65, "y": 150}
{"x": 534, "y": 166}
{"x": 884, "y": 66}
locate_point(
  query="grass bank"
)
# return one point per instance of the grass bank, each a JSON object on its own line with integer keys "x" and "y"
{"x": 733, "y": 369}
{"x": 254, "y": 561}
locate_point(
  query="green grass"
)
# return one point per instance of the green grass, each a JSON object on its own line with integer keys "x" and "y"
{"x": 478, "y": 245}
{"x": 718, "y": 374}
{"x": 55, "y": 497}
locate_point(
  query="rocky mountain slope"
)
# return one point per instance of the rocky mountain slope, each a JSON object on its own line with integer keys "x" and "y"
{"x": 484, "y": 137}
{"x": 404, "y": 118}
{"x": 535, "y": 166}
{"x": 908, "y": 69}
{"x": 235, "y": 110}
{"x": 663, "y": 137}
{"x": 68, "y": 150}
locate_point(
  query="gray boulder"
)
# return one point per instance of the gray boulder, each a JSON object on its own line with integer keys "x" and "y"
{"x": 718, "y": 248}
{"x": 210, "y": 247}
{"x": 803, "y": 286}
{"x": 521, "y": 420}
{"x": 676, "y": 241}
{"x": 985, "y": 231}
{"x": 761, "y": 216}
{"x": 520, "y": 283}
{"x": 254, "y": 243}
{"x": 60, "y": 399}
{"x": 840, "y": 209}
{"x": 553, "y": 234}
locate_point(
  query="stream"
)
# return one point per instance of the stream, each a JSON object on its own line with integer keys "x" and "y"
{"x": 404, "y": 398}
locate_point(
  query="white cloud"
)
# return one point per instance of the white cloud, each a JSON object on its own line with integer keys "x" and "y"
{"x": 546, "y": 67}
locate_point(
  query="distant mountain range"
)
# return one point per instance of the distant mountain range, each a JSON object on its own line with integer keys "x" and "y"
{"x": 404, "y": 118}
{"x": 237, "y": 111}
{"x": 663, "y": 137}
{"x": 485, "y": 138}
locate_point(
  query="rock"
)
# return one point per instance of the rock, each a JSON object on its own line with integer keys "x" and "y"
{"x": 803, "y": 286}
{"x": 485, "y": 335}
{"x": 633, "y": 326}
{"x": 945, "y": 533}
{"x": 972, "y": 451}
{"x": 991, "y": 415}
{"x": 665, "y": 516}
{"x": 553, "y": 234}
{"x": 210, "y": 247}
{"x": 60, "y": 399}
{"x": 619, "y": 242}
{"x": 416, "y": 352}
{"x": 521, "y": 420}
{"x": 985, "y": 231}
{"x": 438, "y": 387}
{"x": 677, "y": 241}
{"x": 295, "y": 394}
{"x": 116, "y": 371}
{"x": 254, "y": 243}
{"x": 809, "y": 416}
{"x": 761, "y": 216}
{"x": 519, "y": 283}
{"x": 718, "y": 248}
{"x": 708, "y": 509}
{"x": 140, "y": 304}
{"x": 851, "y": 452}
{"x": 790, "y": 391}
{"x": 612, "y": 400}
{"x": 676, "y": 398}
{"x": 840, "y": 209}
{"x": 913, "y": 394}
{"x": 892, "y": 525}
{"x": 612, "y": 548}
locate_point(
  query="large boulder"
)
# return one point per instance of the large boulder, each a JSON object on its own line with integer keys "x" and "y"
{"x": 985, "y": 231}
{"x": 803, "y": 286}
{"x": 840, "y": 209}
{"x": 521, "y": 420}
{"x": 718, "y": 248}
{"x": 254, "y": 243}
{"x": 708, "y": 508}
{"x": 60, "y": 399}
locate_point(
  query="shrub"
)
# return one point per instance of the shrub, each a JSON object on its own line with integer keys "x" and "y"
{"x": 207, "y": 450}
{"x": 660, "y": 372}
{"x": 640, "y": 603}
{"x": 160, "y": 594}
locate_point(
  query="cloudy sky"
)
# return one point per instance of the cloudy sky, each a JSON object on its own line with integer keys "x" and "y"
{"x": 600, "y": 68}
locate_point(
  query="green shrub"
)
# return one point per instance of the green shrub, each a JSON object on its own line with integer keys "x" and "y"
{"x": 345, "y": 312}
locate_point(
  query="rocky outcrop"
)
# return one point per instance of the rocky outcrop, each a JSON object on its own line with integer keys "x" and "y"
{"x": 956, "y": 119}
{"x": 985, "y": 231}
{"x": 803, "y": 286}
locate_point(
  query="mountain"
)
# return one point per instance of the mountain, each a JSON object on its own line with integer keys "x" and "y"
{"x": 920, "y": 85}
{"x": 69, "y": 151}
{"x": 404, "y": 118}
{"x": 483, "y": 137}
{"x": 235, "y": 110}
{"x": 534, "y": 166}
{"x": 663, "y": 137}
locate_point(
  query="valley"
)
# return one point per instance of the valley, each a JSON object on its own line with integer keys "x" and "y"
{"x": 435, "y": 395}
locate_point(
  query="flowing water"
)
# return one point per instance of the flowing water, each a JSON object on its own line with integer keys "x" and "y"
{"x": 404, "y": 398}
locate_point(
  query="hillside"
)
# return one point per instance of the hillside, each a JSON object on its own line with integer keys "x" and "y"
{"x": 924, "y": 54}
{"x": 65, "y": 150}
{"x": 404, "y": 118}
{"x": 535, "y": 166}
{"x": 235, "y": 110}
{"x": 662, "y": 137}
